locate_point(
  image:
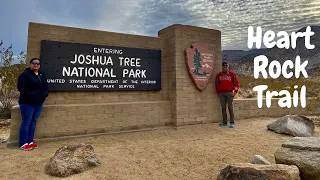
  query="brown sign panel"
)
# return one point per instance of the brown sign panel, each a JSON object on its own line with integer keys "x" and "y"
{"x": 200, "y": 62}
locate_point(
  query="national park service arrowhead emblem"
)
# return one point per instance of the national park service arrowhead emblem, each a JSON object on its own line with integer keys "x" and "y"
{"x": 200, "y": 62}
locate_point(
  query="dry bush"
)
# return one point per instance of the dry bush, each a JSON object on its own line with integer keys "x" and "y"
{"x": 7, "y": 100}
{"x": 8, "y": 89}
{"x": 312, "y": 88}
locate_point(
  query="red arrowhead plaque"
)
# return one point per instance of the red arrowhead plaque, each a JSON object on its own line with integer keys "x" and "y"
{"x": 200, "y": 62}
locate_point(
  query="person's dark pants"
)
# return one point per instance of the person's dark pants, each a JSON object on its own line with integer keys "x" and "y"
{"x": 29, "y": 115}
{"x": 226, "y": 98}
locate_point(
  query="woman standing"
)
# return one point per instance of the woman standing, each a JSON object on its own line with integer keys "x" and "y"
{"x": 33, "y": 88}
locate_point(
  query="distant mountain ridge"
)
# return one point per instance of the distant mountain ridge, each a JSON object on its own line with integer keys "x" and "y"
{"x": 234, "y": 55}
{"x": 242, "y": 61}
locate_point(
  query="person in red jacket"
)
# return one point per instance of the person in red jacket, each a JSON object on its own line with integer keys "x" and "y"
{"x": 227, "y": 86}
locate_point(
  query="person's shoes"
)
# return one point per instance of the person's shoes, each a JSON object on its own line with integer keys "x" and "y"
{"x": 33, "y": 145}
{"x": 25, "y": 147}
{"x": 223, "y": 124}
{"x": 231, "y": 125}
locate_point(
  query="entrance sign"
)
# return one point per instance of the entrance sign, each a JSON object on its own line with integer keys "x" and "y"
{"x": 88, "y": 67}
{"x": 200, "y": 61}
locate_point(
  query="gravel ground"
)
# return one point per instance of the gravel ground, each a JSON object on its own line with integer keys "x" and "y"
{"x": 191, "y": 152}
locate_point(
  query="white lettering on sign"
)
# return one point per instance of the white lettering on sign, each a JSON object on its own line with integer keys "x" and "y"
{"x": 207, "y": 57}
{"x": 92, "y": 59}
{"x": 108, "y": 86}
{"x": 107, "y": 51}
{"x": 72, "y": 81}
{"x": 126, "y": 86}
{"x": 87, "y": 72}
{"x": 148, "y": 82}
{"x": 135, "y": 73}
{"x": 58, "y": 81}
{"x": 104, "y": 81}
{"x": 91, "y": 86}
{"x": 125, "y": 61}
{"x": 103, "y": 72}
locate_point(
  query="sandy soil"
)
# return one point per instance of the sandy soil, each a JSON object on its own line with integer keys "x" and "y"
{"x": 192, "y": 152}
{"x": 4, "y": 129}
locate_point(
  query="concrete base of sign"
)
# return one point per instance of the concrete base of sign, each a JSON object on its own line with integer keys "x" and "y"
{"x": 14, "y": 144}
{"x": 83, "y": 119}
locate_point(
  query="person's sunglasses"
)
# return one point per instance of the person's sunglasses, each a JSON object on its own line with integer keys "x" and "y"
{"x": 35, "y": 63}
{"x": 225, "y": 65}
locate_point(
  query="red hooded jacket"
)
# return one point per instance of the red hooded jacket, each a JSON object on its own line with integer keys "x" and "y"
{"x": 227, "y": 82}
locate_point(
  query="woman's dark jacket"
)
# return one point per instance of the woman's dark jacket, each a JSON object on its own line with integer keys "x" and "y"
{"x": 33, "y": 89}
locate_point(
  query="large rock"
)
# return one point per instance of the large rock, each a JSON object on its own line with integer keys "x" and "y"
{"x": 72, "y": 159}
{"x": 247, "y": 171}
{"x": 294, "y": 125}
{"x": 303, "y": 152}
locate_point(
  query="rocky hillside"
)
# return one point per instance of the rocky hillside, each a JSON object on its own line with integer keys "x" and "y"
{"x": 242, "y": 61}
{"x": 234, "y": 55}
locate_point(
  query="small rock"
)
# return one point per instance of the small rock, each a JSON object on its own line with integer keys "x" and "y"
{"x": 247, "y": 171}
{"x": 294, "y": 125}
{"x": 303, "y": 152}
{"x": 257, "y": 159}
{"x": 3, "y": 140}
{"x": 72, "y": 159}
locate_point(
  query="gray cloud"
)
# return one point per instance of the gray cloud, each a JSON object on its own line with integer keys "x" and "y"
{"x": 232, "y": 17}
{"x": 147, "y": 17}
{"x": 122, "y": 16}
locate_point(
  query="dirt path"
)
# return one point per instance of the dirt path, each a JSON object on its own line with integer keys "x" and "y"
{"x": 4, "y": 129}
{"x": 193, "y": 152}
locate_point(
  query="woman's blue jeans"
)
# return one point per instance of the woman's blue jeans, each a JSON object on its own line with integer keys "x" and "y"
{"x": 29, "y": 116}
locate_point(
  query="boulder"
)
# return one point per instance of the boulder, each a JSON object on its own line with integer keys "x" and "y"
{"x": 72, "y": 159}
{"x": 294, "y": 125}
{"x": 304, "y": 152}
{"x": 248, "y": 171}
{"x": 257, "y": 159}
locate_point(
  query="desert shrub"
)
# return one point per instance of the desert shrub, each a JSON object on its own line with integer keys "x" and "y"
{"x": 7, "y": 99}
{"x": 312, "y": 88}
{"x": 8, "y": 89}
{"x": 9, "y": 73}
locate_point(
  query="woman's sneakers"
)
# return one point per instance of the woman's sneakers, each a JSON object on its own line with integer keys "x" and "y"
{"x": 28, "y": 147}
{"x": 33, "y": 145}
{"x": 25, "y": 147}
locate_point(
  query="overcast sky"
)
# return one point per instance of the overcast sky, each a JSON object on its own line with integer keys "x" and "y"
{"x": 147, "y": 17}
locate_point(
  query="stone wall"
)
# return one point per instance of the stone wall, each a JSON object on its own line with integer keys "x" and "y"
{"x": 178, "y": 102}
{"x": 248, "y": 108}
{"x": 190, "y": 106}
